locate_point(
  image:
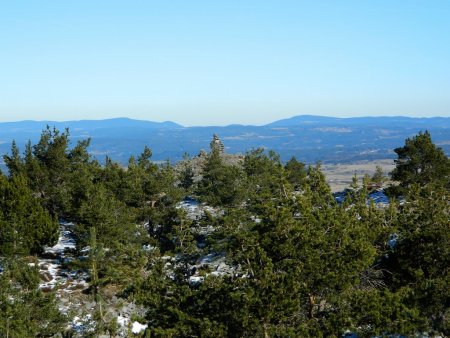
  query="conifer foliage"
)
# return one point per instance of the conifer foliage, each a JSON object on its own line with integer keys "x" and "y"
{"x": 25, "y": 226}
{"x": 293, "y": 261}
{"x": 421, "y": 162}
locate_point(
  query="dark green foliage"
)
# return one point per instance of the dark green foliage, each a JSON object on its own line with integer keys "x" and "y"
{"x": 294, "y": 264}
{"x": 378, "y": 178}
{"x": 25, "y": 311}
{"x": 295, "y": 172}
{"x": 421, "y": 259}
{"x": 420, "y": 162}
{"x": 25, "y": 226}
{"x": 222, "y": 184}
{"x": 186, "y": 175}
{"x": 162, "y": 225}
{"x": 116, "y": 233}
{"x": 140, "y": 183}
{"x": 49, "y": 170}
{"x": 114, "y": 222}
{"x": 298, "y": 263}
{"x": 266, "y": 178}
{"x": 83, "y": 173}
{"x": 14, "y": 162}
{"x": 378, "y": 312}
{"x": 309, "y": 267}
{"x": 56, "y": 174}
{"x": 113, "y": 178}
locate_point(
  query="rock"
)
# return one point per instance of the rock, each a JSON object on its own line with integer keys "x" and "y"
{"x": 111, "y": 314}
{"x": 77, "y": 286}
{"x": 216, "y": 144}
{"x": 44, "y": 266}
{"x": 223, "y": 267}
{"x": 89, "y": 305}
{"x": 46, "y": 277}
{"x": 127, "y": 309}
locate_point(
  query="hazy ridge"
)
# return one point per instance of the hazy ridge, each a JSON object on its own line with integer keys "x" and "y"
{"x": 309, "y": 138}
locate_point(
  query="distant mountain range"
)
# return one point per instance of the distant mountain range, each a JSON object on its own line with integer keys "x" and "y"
{"x": 309, "y": 138}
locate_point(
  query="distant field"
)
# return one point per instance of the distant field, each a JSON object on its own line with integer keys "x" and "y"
{"x": 339, "y": 176}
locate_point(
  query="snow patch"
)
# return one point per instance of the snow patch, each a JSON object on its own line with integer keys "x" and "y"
{"x": 138, "y": 327}
{"x": 83, "y": 324}
{"x": 50, "y": 265}
{"x": 123, "y": 321}
{"x": 66, "y": 240}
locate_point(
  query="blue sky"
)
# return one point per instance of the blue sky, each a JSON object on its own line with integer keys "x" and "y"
{"x": 222, "y": 62}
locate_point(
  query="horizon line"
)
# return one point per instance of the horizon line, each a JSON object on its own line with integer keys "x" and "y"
{"x": 226, "y": 125}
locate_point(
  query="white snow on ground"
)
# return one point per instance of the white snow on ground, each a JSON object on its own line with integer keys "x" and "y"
{"x": 84, "y": 324}
{"x": 214, "y": 262}
{"x": 65, "y": 241}
{"x": 50, "y": 267}
{"x": 195, "y": 210}
{"x": 69, "y": 283}
{"x": 210, "y": 258}
{"x": 123, "y": 321}
{"x": 194, "y": 280}
{"x": 192, "y": 208}
{"x": 138, "y": 327}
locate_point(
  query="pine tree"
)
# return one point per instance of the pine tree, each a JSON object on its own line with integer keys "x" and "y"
{"x": 186, "y": 174}
{"x": 26, "y": 227}
{"x": 14, "y": 162}
{"x": 296, "y": 173}
{"x": 265, "y": 178}
{"x": 420, "y": 259}
{"x": 221, "y": 184}
{"x": 25, "y": 311}
{"x": 420, "y": 161}
{"x": 378, "y": 178}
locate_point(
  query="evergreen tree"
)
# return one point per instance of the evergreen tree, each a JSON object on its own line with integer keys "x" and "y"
{"x": 51, "y": 178}
{"x": 266, "y": 178}
{"x": 221, "y": 184}
{"x": 25, "y": 226}
{"x": 378, "y": 178}
{"x": 116, "y": 232}
{"x": 25, "y": 311}
{"x": 14, "y": 162}
{"x": 56, "y": 174}
{"x": 186, "y": 174}
{"x": 296, "y": 172}
{"x": 420, "y": 161}
{"x": 298, "y": 263}
{"x": 83, "y": 173}
{"x": 420, "y": 260}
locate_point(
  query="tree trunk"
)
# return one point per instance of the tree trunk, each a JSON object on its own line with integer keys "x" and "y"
{"x": 266, "y": 333}
{"x": 312, "y": 304}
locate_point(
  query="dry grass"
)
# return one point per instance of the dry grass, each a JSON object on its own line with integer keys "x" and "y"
{"x": 339, "y": 176}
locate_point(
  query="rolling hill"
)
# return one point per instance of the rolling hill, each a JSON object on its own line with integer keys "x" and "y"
{"x": 309, "y": 138}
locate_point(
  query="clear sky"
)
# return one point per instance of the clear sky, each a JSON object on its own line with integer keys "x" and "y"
{"x": 221, "y": 62}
